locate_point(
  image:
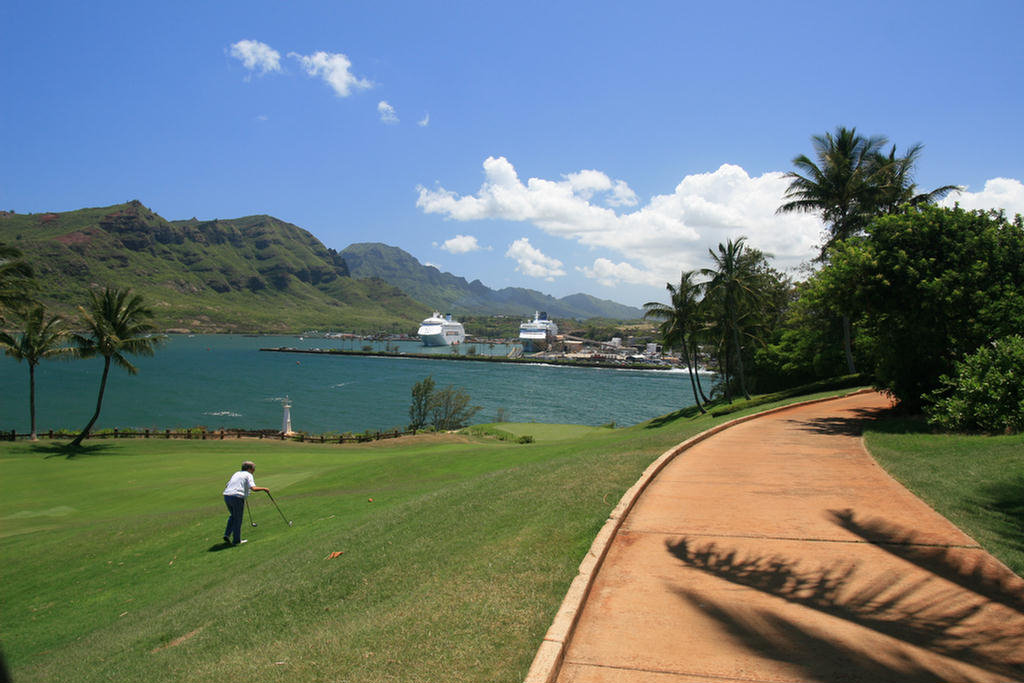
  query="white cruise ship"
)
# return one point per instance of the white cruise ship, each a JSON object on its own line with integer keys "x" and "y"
{"x": 441, "y": 331}
{"x": 539, "y": 333}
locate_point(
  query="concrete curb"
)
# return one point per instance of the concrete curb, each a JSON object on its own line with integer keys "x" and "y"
{"x": 548, "y": 660}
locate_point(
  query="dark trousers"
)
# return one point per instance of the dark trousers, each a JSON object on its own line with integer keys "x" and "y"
{"x": 236, "y": 506}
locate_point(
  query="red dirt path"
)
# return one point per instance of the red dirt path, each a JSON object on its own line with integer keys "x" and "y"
{"x": 778, "y": 550}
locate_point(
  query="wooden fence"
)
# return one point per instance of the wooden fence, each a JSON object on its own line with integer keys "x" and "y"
{"x": 216, "y": 435}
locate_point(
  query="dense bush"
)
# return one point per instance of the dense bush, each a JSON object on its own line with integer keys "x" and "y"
{"x": 925, "y": 288}
{"x": 987, "y": 392}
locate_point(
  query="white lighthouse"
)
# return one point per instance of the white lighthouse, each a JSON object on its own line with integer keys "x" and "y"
{"x": 286, "y": 422}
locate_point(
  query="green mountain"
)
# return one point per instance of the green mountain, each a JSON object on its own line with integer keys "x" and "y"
{"x": 252, "y": 274}
{"x": 447, "y": 292}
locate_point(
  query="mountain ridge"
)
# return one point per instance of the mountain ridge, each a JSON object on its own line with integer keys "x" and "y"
{"x": 252, "y": 274}
{"x": 457, "y": 295}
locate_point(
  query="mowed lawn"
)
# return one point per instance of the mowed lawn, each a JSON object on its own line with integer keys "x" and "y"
{"x": 114, "y": 568}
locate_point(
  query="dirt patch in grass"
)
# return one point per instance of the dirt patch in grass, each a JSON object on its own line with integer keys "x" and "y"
{"x": 177, "y": 641}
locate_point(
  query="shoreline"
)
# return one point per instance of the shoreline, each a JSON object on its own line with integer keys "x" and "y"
{"x": 482, "y": 358}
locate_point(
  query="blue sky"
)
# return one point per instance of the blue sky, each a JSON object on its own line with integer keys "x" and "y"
{"x": 569, "y": 147}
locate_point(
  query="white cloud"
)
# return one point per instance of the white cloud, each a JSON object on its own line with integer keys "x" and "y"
{"x": 461, "y": 244}
{"x": 334, "y": 69}
{"x": 532, "y": 262}
{"x": 670, "y": 233}
{"x": 610, "y": 274}
{"x": 387, "y": 112}
{"x": 256, "y": 56}
{"x": 425, "y": 121}
{"x": 998, "y": 193}
{"x": 586, "y": 183}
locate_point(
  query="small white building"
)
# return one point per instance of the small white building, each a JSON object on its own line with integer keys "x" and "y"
{"x": 286, "y": 421}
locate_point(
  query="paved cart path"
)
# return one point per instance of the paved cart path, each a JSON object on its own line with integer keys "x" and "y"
{"x": 778, "y": 550}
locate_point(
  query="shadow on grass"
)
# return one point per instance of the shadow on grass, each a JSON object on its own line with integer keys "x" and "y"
{"x": 907, "y": 608}
{"x": 896, "y": 423}
{"x": 1008, "y": 497}
{"x": 56, "y": 450}
{"x": 217, "y": 547}
{"x": 688, "y": 412}
{"x": 719, "y": 407}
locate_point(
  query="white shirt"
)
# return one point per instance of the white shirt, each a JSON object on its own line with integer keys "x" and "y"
{"x": 239, "y": 484}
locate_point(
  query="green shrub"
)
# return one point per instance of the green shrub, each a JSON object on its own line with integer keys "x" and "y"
{"x": 987, "y": 392}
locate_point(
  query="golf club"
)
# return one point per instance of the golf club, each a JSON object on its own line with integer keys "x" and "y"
{"x": 250, "y": 512}
{"x": 279, "y": 509}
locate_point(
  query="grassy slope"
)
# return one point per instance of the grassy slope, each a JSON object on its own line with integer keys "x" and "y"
{"x": 453, "y": 573}
{"x": 199, "y": 275}
{"x": 977, "y": 482}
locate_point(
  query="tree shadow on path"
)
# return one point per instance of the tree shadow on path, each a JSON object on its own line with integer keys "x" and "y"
{"x": 851, "y": 425}
{"x": 965, "y": 566}
{"x": 919, "y": 610}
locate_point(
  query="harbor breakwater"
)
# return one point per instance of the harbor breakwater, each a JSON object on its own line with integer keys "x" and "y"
{"x": 526, "y": 360}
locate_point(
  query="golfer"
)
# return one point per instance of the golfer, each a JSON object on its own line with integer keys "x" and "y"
{"x": 235, "y": 493}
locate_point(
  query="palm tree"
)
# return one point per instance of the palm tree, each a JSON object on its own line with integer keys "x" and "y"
{"x": 894, "y": 178}
{"x": 842, "y": 187}
{"x": 15, "y": 278}
{"x": 680, "y": 323}
{"x": 116, "y": 324}
{"x": 851, "y": 183}
{"x": 839, "y": 186}
{"x": 736, "y": 286}
{"x": 41, "y": 337}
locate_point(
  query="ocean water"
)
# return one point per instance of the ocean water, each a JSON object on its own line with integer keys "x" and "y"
{"x": 226, "y": 381}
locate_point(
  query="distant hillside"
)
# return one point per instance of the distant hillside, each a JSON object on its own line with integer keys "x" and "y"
{"x": 247, "y": 274}
{"x": 451, "y": 293}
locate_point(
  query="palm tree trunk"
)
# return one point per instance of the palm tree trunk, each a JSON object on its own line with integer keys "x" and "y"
{"x": 693, "y": 382}
{"x": 728, "y": 373}
{"x": 696, "y": 397}
{"x": 32, "y": 399}
{"x": 700, "y": 387}
{"x": 739, "y": 361}
{"x": 99, "y": 403}
{"x": 846, "y": 344}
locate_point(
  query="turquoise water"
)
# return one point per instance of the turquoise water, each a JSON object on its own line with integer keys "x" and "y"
{"x": 225, "y": 381}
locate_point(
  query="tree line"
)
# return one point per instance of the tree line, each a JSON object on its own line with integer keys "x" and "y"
{"x": 928, "y": 302}
{"x": 113, "y": 325}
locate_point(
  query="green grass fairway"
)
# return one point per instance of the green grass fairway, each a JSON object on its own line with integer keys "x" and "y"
{"x": 114, "y": 568}
{"x": 977, "y": 482}
{"x": 546, "y": 433}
